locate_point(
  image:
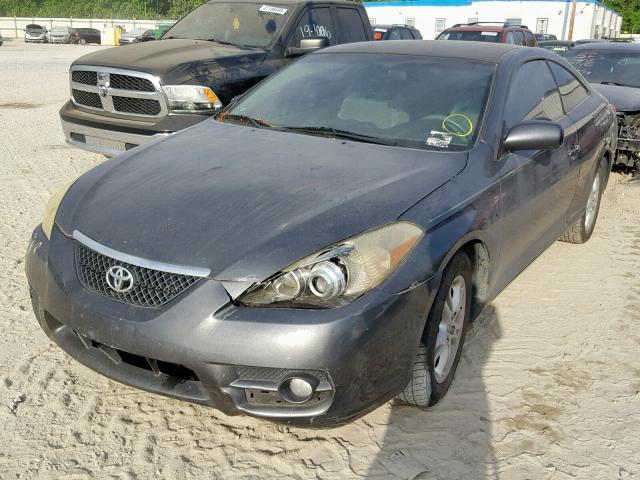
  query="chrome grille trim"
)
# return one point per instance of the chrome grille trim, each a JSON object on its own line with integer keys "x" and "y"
{"x": 137, "y": 261}
{"x": 107, "y": 93}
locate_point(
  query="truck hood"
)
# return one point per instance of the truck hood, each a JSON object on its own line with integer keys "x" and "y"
{"x": 247, "y": 202}
{"x": 625, "y": 99}
{"x": 173, "y": 60}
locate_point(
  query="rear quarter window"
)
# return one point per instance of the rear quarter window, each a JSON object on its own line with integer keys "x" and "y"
{"x": 350, "y": 25}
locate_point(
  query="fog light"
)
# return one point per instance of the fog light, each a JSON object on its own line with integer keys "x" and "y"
{"x": 327, "y": 280}
{"x": 298, "y": 389}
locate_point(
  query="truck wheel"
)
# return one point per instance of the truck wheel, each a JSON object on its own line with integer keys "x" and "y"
{"x": 439, "y": 352}
{"x": 582, "y": 229}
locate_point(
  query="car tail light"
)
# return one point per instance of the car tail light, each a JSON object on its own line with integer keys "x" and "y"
{"x": 377, "y": 36}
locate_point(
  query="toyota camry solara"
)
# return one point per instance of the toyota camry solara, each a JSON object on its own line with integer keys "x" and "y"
{"x": 320, "y": 246}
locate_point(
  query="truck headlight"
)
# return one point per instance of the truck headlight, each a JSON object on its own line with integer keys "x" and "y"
{"x": 191, "y": 98}
{"x": 50, "y": 210}
{"x": 340, "y": 273}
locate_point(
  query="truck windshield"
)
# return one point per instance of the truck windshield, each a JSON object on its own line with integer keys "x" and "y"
{"x": 399, "y": 100}
{"x": 608, "y": 67}
{"x": 243, "y": 24}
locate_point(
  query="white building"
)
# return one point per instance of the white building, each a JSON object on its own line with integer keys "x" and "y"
{"x": 593, "y": 19}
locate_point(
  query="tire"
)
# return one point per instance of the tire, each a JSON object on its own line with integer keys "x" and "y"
{"x": 82, "y": 41}
{"x": 582, "y": 229}
{"x": 435, "y": 364}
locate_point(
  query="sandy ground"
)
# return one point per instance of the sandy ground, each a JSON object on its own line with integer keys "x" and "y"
{"x": 548, "y": 385}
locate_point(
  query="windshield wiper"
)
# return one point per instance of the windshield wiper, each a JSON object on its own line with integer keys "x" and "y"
{"x": 224, "y": 42}
{"x": 256, "y": 122}
{"x": 342, "y": 134}
{"x": 618, "y": 84}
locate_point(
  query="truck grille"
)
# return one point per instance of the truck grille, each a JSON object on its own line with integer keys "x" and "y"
{"x": 152, "y": 288}
{"x": 127, "y": 82}
{"x": 117, "y": 92}
{"x": 140, "y": 106}
{"x": 87, "y": 99}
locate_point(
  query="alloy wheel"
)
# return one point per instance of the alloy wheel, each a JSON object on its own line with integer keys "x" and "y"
{"x": 450, "y": 329}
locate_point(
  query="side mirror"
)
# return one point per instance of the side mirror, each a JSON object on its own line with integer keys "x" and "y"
{"x": 534, "y": 135}
{"x": 307, "y": 45}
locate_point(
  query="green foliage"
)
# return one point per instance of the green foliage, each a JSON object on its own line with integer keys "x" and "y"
{"x": 630, "y": 11}
{"x": 125, "y": 9}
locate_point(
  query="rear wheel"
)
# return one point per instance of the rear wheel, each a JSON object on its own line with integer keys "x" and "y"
{"x": 582, "y": 229}
{"x": 439, "y": 352}
{"x": 82, "y": 41}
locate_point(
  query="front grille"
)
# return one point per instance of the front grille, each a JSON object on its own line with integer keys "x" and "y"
{"x": 140, "y": 106}
{"x": 85, "y": 77}
{"x": 152, "y": 288}
{"x": 88, "y": 99}
{"x": 127, "y": 82}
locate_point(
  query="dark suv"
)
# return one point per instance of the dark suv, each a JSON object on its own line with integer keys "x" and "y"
{"x": 395, "y": 32}
{"x": 85, "y": 35}
{"x": 494, "y": 32}
{"x": 125, "y": 97}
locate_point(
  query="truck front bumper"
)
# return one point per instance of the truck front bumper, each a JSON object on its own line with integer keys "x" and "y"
{"x": 110, "y": 136}
{"x": 202, "y": 348}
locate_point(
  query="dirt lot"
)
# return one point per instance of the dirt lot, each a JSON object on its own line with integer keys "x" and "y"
{"x": 548, "y": 385}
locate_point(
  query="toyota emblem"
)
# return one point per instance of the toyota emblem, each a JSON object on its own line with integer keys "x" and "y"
{"x": 119, "y": 279}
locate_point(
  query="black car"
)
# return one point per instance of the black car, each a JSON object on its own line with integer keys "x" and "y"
{"x": 613, "y": 68}
{"x": 395, "y": 32}
{"x": 544, "y": 37}
{"x": 83, "y": 36}
{"x": 321, "y": 246}
{"x": 125, "y": 97}
{"x": 558, "y": 46}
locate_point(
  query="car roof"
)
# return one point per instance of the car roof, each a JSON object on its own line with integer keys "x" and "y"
{"x": 610, "y": 46}
{"x": 483, "y": 51}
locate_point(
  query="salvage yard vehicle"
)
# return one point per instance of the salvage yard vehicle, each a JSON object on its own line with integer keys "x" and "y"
{"x": 613, "y": 68}
{"x": 558, "y": 46}
{"x": 492, "y": 32}
{"x": 83, "y": 36}
{"x": 137, "y": 36}
{"x": 35, "y": 33}
{"x": 125, "y": 97}
{"x": 60, "y": 35}
{"x": 395, "y": 32}
{"x": 321, "y": 246}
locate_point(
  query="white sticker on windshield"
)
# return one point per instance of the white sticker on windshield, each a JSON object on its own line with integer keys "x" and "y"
{"x": 439, "y": 139}
{"x": 490, "y": 34}
{"x": 270, "y": 9}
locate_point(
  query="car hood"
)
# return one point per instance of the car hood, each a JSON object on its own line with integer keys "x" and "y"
{"x": 172, "y": 59}
{"x": 625, "y": 99}
{"x": 246, "y": 203}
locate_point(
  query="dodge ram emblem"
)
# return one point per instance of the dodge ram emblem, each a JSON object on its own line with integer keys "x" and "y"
{"x": 119, "y": 279}
{"x": 103, "y": 84}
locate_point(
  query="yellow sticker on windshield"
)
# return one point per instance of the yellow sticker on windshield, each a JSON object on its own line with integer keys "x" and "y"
{"x": 457, "y": 124}
{"x": 236, "y": 24}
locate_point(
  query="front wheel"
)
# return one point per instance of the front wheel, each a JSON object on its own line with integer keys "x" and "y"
{"x": 439, "y": 352}
{"x": 582, "y": 229}
{"x": 82, "y": 41}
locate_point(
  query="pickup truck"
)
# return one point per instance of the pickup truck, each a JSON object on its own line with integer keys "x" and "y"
{"x": 125, "y": 97}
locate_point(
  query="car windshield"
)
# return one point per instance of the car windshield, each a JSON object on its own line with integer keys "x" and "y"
{"x": 244, "y": 24}
{"x": 609, "y": 67}
{"x": 472, "y": 36}
{"x": 400, "y": 100}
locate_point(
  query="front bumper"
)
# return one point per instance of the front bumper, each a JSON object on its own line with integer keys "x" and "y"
{"x": 110, "y": 136}
{"x": 203, "y": 349}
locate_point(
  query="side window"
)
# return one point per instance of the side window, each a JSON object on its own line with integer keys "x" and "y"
{"x": 394, "y": 34}
{"x": 533, "y": 95}
{"x": 405, "y": 34}
{"x": 571, "y": 90}
{"x": 315, "y": 22}
{"x": 519, "y": 37}
{"x": 529, "y": 38}
{"x": 510, "y": 38}
{"x": 350, "y": 25}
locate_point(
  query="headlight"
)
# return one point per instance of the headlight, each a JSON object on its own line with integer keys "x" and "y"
{"x": 191, "y": 98}
{"x": 49, "y": 214}
{"x": 340, "y": 273}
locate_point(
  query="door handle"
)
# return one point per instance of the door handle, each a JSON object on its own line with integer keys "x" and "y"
{"x": 574, "y": 150}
